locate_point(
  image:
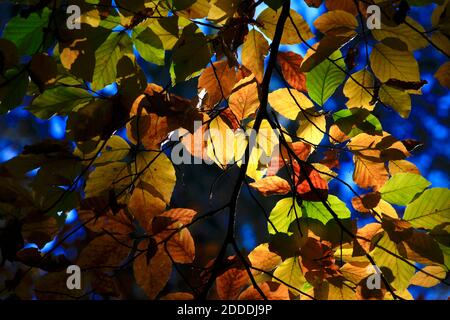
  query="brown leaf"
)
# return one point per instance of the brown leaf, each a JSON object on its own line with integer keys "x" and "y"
{"x": 303, "y": 184}
{"x": 43, "y": 70}
{"x": 345, "y": 5}
{"x": 218, "y": 80}
{"x": 317, "y": 260}
{"x": 366, "y": 202}
{"x": 244, "y": 101}
{"x": 367, "y": 233}
{"x": 152, "y": 275}
{"x": 40, "y": 231}
{"x": 105, "y": 250}
{"x": 406, "y": 85}
{"x": 52, "y": 286}
{"x": 290, "y": 63}
{"x": 314, "y": 3}
{"x": 422, "y": 248}
{"x": 116, "y": 224}
{"x": 331, "y": 159}
{"x": 271, "y": 290}
{"x": 178, "y": 296}
{"x": 157, "y": 114}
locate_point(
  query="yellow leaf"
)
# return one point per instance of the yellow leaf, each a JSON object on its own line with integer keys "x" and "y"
{"x": 291, "y": 273}
{"x": 388, "y": 63}
{"x": 312, "y": 127}
{"x": 225, "y": 146}
{"x": 222, "y": 10}
{"x": 400, "y": 272}
{"x": 355, "y": 90}
{"x": 399, "y": 100}
{"x": 412, "y": 38}
{"x": 254, "y": 51}
{"x": 144, "y": 206}
{"x": 289, "y": 104}
{"x": 262, "y": 258}
{"x": 158, "y": 174}
{"x": 269, "y": 18}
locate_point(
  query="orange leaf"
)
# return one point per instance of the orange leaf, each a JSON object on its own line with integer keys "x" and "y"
{"x": 181, "y": 247}
{"x": 271, "y": 290}
{"x": 182, "y": 215}
{"x": 271, "y": 185}
{"x": 230, "y": 283}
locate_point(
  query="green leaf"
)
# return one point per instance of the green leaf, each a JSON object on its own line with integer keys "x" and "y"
{"x": 323, "y": 80}
{"x": 115, "y": 175}
{"x": 13, "y": 89}
{"x": 283, "y": 214}
{"x": 432, "y": 208}
{"x": 149, "y": 45}
{"x": 403, "y": 187}
{"x": 446, "y": 253}
{"x": 291, "y": 273}
{"x": 59, "y": 100}
{"x": 316, "y": 210}
{"x": 27, "y": 33}
{"x": 274, "y": 4}
{"x": 190, "y": 55}
{"x": 357, "y": 120}
{"x": 168, "y": 30}
{"x": 106, "y": 58}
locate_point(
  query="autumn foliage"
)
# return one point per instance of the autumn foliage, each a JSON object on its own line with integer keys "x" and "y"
{"x": 227, "y": 53}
